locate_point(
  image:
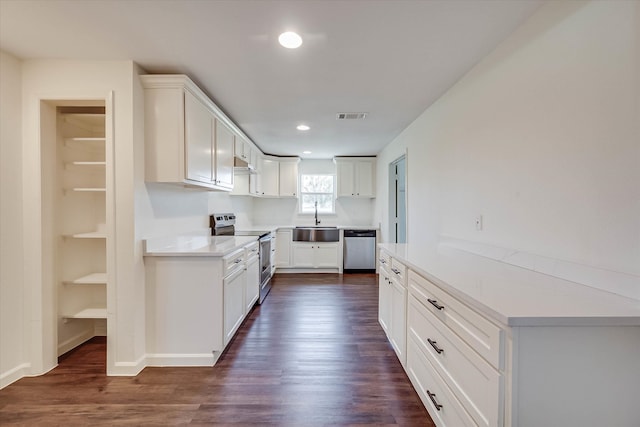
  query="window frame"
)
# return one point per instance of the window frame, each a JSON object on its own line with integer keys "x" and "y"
{"x": 333, "y": 194}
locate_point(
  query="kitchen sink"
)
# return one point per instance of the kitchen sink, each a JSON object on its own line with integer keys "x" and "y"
{"x": 316, "y": 234}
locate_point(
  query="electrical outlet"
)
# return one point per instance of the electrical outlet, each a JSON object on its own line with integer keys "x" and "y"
{"x": 479, "y": 223}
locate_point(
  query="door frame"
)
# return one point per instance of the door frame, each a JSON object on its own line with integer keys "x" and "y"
{"x": 393, "y": 237}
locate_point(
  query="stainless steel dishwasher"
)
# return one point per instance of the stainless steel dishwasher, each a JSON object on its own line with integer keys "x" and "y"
{"x": 359, "y": 251}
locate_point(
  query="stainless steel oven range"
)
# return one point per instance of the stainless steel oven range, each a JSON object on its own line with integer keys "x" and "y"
{"x": 224, "y": 225}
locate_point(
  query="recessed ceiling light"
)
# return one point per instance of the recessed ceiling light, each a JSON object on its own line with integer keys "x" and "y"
{"x": 303, "y": 127}
{"x": 306, "y": 152}
{"x": 290, "y": 40}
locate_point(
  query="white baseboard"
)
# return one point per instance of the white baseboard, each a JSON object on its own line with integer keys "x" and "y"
{"x": 163, "y": 360}
{"x": 14, "y": 374}
{"x": 75, "y": 341}
{"x": 127, "y": 369}
{"x": 307, "y": 270}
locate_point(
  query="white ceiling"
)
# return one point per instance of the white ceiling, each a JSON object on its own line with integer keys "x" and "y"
{"x": 389, "y": 58}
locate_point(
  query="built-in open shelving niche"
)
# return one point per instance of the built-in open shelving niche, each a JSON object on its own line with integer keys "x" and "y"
{"x": 88, "y": 313}
{"x": 89, "y": 279}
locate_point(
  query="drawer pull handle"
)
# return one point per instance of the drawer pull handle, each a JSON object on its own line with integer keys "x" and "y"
{"x": 432, "y": 396}
{"x": 382, "y": 261}
{"x": 238, "y": 261}
{"x": 395, "y": 270}
{"x": 435, "y": 304}
{"x": 435, "y": 347}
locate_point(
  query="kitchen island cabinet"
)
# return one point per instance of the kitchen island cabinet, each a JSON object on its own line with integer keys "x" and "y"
{"x": 492, "y": 344}
{"x": 199, "y": 290}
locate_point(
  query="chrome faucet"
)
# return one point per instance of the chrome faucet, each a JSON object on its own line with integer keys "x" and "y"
{"x": 316, "y": 216}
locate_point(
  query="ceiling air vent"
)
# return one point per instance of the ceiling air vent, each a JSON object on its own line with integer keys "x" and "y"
{"x": 351, "y": 116}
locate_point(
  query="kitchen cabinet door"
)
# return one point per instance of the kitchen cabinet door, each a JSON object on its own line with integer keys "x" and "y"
{"x": 345, "y": 170}
{"x": 289, "y": 178}
{"x": 270, "y": 177}
{"x": 242, "y": 149}
{"x": 398, "y": 334}
{"x": 302, "y": 255}
{"x": 252, "y": 289}
{"x": 224, "y": 155}
{"x": 234, "y": 303}
{"x": 364, "y": 178}
{"x": 198, "y": 140}
{"x": 283, "y": 249}
{"x": 326, "y": 255}
{"x": 384, "y": 301}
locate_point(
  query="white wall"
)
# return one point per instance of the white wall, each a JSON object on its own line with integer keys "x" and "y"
{"x": 12, "y": 326}
{"x": 285, "y": 211}
{"x": 542, "y": 138}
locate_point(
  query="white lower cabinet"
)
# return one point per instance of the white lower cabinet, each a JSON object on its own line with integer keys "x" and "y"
{"x": 384, "y": 300}
{"x": 392, "y": 308}
{"x": 451, "y": 353}
{"x": 234, "y": 303}
{"x": 195, "y": 305}
{"x": 252, "y": 283}
{"x": 398, "y": 335}
{"x": 476, "y": 383}
{"x": 444, "y": 408}
{"x": 283, "y": 250}
{"x": 314, "y": 255}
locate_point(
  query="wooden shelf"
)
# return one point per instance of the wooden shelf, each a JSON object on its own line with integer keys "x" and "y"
{"x": 90, "y": 279}
{"x": 88, "y": 313}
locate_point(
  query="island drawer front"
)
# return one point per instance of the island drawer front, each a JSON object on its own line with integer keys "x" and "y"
{"x": 476, "y": 384}
{"x": 433, "y": 391}
{"x": 233, "y": 261}
{"x": 384, "y": 259}
{"x": 479, "y": 333}
{"x": 399, "y": 271}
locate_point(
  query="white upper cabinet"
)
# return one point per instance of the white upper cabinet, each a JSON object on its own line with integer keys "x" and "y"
{"x": 224, "y": 155}
{"x": 356, "y": 176}
{"x": 242, "y": 150}
{"x": 289, "y": 177}
{"x": 188, "y": 139}
{"x": 270, "y": 177}
{"x": 198, "y": 140}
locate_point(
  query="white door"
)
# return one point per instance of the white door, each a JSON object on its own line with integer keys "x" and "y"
{"x": 224, "y": 155}
{"x": 198, "y": 140}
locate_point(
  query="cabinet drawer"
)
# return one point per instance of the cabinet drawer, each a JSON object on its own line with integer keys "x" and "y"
{"x": 476, "y": 384}
{"x": 399, "y": 271}
{"x": 384, "y": 259}
{"x": 433, "y": 391}
{"x": 233, "y": 261}
{"x": 479, "y": 333}
{"x": 252, "y": 250}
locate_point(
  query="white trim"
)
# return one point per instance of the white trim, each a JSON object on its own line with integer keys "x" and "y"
{"x": 14, "y": 374}
{"x": 127, "y": 369}
{"x": 75, "y": 341}
{"x": 169, "y": 359}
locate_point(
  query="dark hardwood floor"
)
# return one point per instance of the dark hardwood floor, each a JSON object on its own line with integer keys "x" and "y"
{"x": 312, "y": 354}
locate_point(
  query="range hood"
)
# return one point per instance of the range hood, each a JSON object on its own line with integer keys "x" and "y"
{"x": 240, "y": 166}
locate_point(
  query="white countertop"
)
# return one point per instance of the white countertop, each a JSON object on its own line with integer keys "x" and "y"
{"x": 214, "y": 246}
{"x": 513, "y": 295}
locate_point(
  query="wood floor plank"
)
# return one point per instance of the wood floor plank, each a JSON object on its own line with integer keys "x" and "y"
{"x": 312, "y": 354}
